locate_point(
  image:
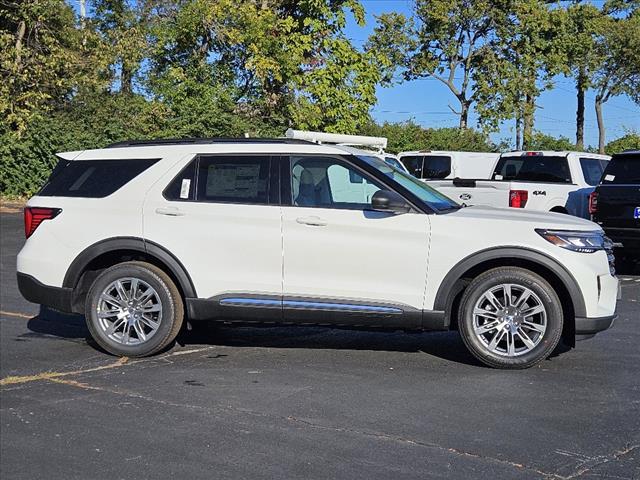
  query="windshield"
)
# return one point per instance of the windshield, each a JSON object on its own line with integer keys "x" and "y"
{"x": 424, "y": 192}
{"x": 393, "y": 162}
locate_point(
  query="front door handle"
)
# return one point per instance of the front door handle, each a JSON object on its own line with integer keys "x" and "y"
{"x": 313, "y": 221}
{"x": 170, "y": 211}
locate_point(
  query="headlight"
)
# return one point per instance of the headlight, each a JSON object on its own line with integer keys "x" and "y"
{"x": 584, "y": 242}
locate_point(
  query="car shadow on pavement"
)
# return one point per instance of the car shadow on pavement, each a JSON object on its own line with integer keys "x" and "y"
{"x": 444, "y": 345}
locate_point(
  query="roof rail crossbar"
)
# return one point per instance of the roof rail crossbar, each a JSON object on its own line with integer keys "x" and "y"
{"x": 200, "y": 141}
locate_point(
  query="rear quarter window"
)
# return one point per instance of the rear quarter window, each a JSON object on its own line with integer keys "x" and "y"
{"x": 92, "y": 178}
{"x": 592, "y": 169}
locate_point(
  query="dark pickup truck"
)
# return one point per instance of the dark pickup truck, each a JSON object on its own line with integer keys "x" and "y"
{"x": 615, "y": 204}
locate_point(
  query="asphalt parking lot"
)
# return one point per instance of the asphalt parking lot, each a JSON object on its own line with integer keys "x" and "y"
{"x": 308, "y": 402}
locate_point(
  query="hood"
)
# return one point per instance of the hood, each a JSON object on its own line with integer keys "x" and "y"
{"x": 551, "y": 220}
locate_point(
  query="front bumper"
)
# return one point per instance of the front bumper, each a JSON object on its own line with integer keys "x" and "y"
{"x": 58, "y": 298}
{"x": 591, "y": 326}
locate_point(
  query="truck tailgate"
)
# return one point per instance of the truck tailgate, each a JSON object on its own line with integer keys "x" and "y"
{"x": 474, "y": 192}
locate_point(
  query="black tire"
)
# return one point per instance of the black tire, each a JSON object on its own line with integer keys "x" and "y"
{"x": 520, "y": 277}
{"x": 170, "y": 320}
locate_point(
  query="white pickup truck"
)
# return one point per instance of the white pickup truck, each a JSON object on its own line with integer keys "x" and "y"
{"x": 547, "y": 181}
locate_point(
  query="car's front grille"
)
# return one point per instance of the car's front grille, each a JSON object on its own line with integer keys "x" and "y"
{"x": 608, "y": 247}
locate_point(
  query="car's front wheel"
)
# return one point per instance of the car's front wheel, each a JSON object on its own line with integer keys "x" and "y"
{"x": 134, "y": 309}
{"x": 510, "y": 318}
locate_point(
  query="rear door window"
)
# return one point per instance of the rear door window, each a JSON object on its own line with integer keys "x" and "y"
{"x": 623, "y": 169}
{"x": 233, "y": 179}
{"x": 92, "y": 178}
{"x": 533, "y": 168}
{"x": 592, "y": 169}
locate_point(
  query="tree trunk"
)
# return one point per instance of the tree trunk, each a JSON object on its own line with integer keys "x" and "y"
{"x": 126, "y": 79}
{"x": 518, "y": 131}
{"x": 601, "y": 132}
{"x": 22, "y": 28}
{"x": 464, "y": 114}
{"x": 580, "y": 110}
{"x": 527, "y": 128}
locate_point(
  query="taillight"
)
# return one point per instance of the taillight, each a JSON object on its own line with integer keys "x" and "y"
{"x": 518, "y": 198}
{"x": 593, "y": 203}
{"x": 34, "y": 216}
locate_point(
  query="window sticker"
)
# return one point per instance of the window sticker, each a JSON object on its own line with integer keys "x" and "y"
{"x": 609, "y": 178}
{"x": 185, "y": 188}
{"x": 233, "y": 180}
{"x": 498, "y": 177}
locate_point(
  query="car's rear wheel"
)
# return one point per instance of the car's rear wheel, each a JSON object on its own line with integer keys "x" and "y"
{"x": 510, "y": 318}
{"x": 134, "y": 309}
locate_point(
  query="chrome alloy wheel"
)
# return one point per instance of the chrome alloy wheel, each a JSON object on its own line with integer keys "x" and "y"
{"x": 129, "y": 311}
{"x": 510, "y": 320}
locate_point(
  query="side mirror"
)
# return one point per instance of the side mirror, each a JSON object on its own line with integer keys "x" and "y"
{"x": 388, "y": 201}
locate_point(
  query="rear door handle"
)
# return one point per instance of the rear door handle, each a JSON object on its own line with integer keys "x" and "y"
{"x": 312, "y": 220}
{"x": 170, "y": 211}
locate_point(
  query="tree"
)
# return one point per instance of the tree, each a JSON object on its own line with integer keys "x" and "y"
{"x": 42, "y": 59}
{"x": 406, "y": 136}
{"x": 520, "y": 62}
{"x": 542, "y": 141}
{"x": 583, "y": 23}
{"x": 619, "y": 72}
{"x": 629, "y": 141}
{"x": 123, "y": 28}
{"x": 279, "y": 59}
{"x": 444, "y": 40}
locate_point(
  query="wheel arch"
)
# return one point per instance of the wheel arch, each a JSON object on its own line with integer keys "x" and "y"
{"x": 455, "y": 282}
{"x": 559, "y": 209}
{"x": 93, "y": 259}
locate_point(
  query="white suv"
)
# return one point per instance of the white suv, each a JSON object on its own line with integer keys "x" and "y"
{"x": 141, "y": 236}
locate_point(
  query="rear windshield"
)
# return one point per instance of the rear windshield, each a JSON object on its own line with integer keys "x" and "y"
{"x": 592, "y": 169}
{"x": 623, "y": 169}
{"x": 92, "y": 178}
{"x": 533, "y": 168}
{"x": 428, "y": 166}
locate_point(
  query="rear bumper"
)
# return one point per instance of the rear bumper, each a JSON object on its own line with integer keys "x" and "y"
{"x": 58, "y": 298}
{"x": 591, "y": 326}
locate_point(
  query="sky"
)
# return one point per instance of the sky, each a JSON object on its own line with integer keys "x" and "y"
{"x": 427, "y": 100}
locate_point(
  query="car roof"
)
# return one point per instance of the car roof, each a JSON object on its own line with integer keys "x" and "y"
{"x": 560, "y": 153}
{"x": 161, "y": 150}
{"x": 444, "y": 152}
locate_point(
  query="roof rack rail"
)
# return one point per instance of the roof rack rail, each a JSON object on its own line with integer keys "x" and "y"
{"x": 200, "y": 141}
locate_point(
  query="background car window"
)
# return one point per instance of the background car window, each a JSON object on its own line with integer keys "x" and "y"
{"x": 592, "y": 169}
{"x": 413, "y": 164}
{"x": 623, "y": 169}
{"x": 436, "y": 166}
{"x": 233, "y": 179}
{"x": 329, "y": 183}
{"x": 533, "y": 168}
